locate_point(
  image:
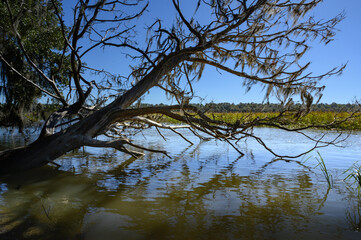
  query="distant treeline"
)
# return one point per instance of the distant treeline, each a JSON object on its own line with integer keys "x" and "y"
{"x": 42, "y": 111}
{"x": 269, "y": 107}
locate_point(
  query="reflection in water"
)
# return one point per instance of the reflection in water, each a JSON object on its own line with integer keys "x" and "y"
{"x": 353, "y": 212}
{"x": 204, "y": 192}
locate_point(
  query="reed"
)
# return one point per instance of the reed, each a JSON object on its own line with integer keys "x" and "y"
{"x": 325, "y": 172}
{"x": 354, "y": 173}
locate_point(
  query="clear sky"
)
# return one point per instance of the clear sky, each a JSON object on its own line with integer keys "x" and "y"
{"x": 213, "y": 86}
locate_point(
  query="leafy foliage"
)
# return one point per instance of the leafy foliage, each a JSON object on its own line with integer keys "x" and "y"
{"x": 41, "y": 37}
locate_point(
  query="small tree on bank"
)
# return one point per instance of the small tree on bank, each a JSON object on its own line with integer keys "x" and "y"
{"x": 258, "y": 41}
{"x": 33, "y": 19}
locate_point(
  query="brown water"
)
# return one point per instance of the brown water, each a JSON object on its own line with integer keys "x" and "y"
{"x": 204, "y": 191}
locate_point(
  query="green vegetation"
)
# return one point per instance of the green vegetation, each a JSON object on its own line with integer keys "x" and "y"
{"x": 322, "y": 116}
{"x": 42, "y": 39}
{"x": 325, "y": 172}
{"x": 354, "y": 173}
{"x": 267, "y": 107}
{"x": 33, "y": 114}
{"x": 322, "y": 120}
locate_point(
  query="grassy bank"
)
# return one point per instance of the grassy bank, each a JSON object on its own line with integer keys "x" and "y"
{"x": 313, "y": 118}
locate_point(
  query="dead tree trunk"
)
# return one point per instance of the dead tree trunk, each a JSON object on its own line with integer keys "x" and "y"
{"x": 49, "y": 147}
{"x": 242, "y": 38}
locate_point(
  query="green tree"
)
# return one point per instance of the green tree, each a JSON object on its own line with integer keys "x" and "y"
{"x": 41, "y": 42}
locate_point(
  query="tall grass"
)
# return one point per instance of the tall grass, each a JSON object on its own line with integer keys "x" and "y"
{"x": 354, "y": 173}
{"x": 325, "y": 172}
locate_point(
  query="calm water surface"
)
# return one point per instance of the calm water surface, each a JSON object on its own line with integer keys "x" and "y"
{"x": 205, "y": 191}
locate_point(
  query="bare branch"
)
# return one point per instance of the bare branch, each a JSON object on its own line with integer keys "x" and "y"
{"x": 116, "y": 144}
{"x": 159, "y": 125}
{"x": 28, "y": 80}
{"x": 189, "y": 26}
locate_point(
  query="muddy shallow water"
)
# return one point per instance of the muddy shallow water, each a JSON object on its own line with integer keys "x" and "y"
{"x": 205, "y": 191}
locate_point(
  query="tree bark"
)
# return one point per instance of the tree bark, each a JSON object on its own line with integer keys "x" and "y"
{"x": 38, "y": 153}
{"x": 49, "y": 147}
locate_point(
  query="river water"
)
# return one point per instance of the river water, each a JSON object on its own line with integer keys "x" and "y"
{"x": 204, "y": 191}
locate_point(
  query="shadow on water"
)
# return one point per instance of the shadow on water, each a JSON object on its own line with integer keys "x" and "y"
{"x": 198, "y": 194}
{"x": 45, "y": 203}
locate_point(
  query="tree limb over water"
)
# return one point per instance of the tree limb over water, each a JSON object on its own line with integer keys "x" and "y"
{"x": 260, "y": 41}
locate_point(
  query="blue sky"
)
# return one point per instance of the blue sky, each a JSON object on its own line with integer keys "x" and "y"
{"x": 213, "y": 86}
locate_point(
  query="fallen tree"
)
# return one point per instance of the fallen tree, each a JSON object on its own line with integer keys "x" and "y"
{"x": 258, "y": 41}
